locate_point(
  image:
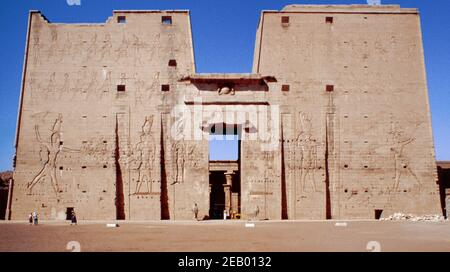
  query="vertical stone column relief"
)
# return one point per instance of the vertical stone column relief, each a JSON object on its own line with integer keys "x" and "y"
{"x": 227, "y": 188}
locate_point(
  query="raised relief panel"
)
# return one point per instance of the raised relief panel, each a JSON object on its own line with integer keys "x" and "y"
{"x": 50, "y": 148}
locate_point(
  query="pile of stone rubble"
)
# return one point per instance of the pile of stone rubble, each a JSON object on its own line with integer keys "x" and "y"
{"x": 415, "y": 218}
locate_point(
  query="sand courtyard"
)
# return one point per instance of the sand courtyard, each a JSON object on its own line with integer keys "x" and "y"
{"x": 226, "y": 236}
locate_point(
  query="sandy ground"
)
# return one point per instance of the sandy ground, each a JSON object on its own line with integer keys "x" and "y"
{"x": 228, "y": 236}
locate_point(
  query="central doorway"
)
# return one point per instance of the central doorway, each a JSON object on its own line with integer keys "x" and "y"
{"x": 224, "y": 174}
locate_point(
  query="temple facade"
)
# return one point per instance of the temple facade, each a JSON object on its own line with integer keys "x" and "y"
{"x": 333, "y": 122}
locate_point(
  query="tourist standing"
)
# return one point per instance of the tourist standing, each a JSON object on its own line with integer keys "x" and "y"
{"x": 195, "y": 210}
{"x": 73, "y": 219}
{"x": 35, "y": 218}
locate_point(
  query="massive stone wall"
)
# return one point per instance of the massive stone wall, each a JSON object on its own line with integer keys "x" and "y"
{"x": 367, "y": 136}
{"x": 345, "y": 85}
{"x": 78, "y": 136}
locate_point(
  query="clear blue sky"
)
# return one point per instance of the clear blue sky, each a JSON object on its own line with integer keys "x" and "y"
{"x": 224, "y": 37}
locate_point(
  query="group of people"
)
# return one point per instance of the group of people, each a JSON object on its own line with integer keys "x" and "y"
{"x": 33, "y": 218}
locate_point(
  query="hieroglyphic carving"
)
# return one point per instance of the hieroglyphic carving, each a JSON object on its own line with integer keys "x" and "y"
{"x": 122, "y": 51}
{"x": 193, "y": 157}
{"x": 269, "y": 159}
{"x": 49, "y": 151}
{"x": 123, "y": 78}
{"x": 93, "y": 149}
{"x": 144, "y": 157}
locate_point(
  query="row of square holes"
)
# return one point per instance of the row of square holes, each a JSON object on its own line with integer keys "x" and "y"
{"x": 83, "y": 167}
{"x": 285, "y": 20}
{"x": 345, "y": 166}
{"x": 328, "y": 20}
{"x": 286, "y": 88}
{"x": 165, "y": 20}
{"x": 367, "y": 167}
{"x": 328, "y": 88}
{"x": 61, "y": 143}
{"x": 164, "y": 88}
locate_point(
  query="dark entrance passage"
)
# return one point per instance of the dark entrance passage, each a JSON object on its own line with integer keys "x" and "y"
{"x": 224, "y": 165}
{"x": 225, "y": 190}
{"x": 69, "y": 211}
{"x": 217, "y": 195}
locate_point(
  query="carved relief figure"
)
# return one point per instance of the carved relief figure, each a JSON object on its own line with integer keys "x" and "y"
{"x": 91, "y": 51}
{"x": 105, "y": 50}
{"x": 178, "y": 159}
{"x": 89, "y": 88}
{"x": 49, "y": 153}
{"x": 178, "y": 152}
{"x": 32, "y": 85}
{"x": 145, "y": 157}
{"x": 65, "y": 88}
{"x": 140, "y": 87}
{"x": 308, "y": 162}
{"x": 307, "y": 150}
{"x": 66, "y": 47}
{"x": 154, "y": 85}
{"x": 78, "y": 48}
{"x": 398, "y": 142}
{"x": 53, "y": 49}
{"x": 122, "y": 50}
{"x": 77, "y": 88}
{"x": 136, "y": 46}
{"x": 36, "y": 50}
{"x": 154, "y": 47}
{"x": 51, "y": 83}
